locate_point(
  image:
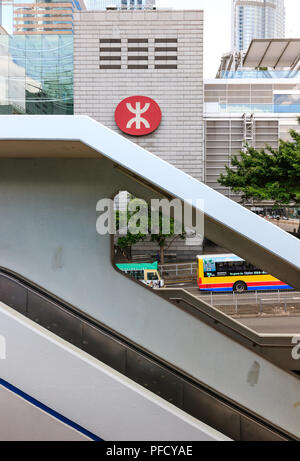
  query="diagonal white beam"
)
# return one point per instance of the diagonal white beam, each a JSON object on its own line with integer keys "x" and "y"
{"x": 226, "y": 222}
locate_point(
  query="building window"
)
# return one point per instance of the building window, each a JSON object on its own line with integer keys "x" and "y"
{"x": 137, "y": 53}
{"x": 165, "y": 53}
{"x": 139, "y": 50}
{"x": 110, "y": 53}
{"x": 287, "y": 103}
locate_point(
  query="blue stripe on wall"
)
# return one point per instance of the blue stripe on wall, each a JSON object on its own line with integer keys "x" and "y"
{"x": 49, "y": 410}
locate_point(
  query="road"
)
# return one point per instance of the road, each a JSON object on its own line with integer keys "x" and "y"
{"x": 288, "y": 226}
{"x": 283, "y": 324}
{"x": 279, "y": 325}
{"x": 229, "y": 299}
{"x": 267, "y": 298}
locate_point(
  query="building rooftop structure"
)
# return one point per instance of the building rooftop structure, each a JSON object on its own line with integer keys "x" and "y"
{"x": 275, "y": 53}
{"x": 120, "y": 4}
{"x": 265, "y": 58}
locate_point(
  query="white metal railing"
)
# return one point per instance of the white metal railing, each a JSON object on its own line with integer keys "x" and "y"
{"x": 250, "y": 107}
{"x": 187, "y": 269}
{"x": 282, "y": 301}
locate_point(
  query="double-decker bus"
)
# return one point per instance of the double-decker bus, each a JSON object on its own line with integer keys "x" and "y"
{"x": 221, "y": 273}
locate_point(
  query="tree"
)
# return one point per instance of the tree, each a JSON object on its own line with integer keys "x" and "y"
{"x": 267, "y": 174}
{"x": 160, "y": 238}
{"x": 125, "y": 242}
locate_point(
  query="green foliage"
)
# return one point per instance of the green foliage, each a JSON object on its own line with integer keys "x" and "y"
{"x": 159, "y": 237}
{"x": 129, "y": 239}
{"x": 267, "y": 174}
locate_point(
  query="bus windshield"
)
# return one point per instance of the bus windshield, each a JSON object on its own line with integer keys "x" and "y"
{"x": 152, "y": 276}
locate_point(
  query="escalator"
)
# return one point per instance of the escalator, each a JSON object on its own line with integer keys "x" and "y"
{"x": 136, "y": 363}
{"x": 273, "y": 347}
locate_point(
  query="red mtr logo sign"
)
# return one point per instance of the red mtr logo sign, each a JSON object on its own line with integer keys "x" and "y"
{"x": 138, "y": 115}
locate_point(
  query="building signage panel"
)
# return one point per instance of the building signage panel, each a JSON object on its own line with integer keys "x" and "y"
{"x": 138, "y": 115}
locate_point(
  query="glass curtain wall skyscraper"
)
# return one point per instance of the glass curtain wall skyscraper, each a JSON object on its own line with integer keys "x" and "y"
{"x": 36, "y": 74}
{"x": 36, "y": 56}
{"x": 256, "y": 19}
{"x": 122, "y": 4}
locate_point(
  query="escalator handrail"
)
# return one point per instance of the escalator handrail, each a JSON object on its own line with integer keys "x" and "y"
{"x": 226, "y": 321}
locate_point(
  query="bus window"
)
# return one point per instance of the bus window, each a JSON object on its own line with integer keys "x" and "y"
{"x": 138, "y": 275}
{"x": 236, "y": 268}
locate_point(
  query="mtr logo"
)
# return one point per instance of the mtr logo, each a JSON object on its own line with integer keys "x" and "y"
{"x": 138, "y": 115}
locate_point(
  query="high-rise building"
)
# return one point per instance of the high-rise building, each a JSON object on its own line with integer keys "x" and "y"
{"x": 36, "y": 56}
{"x": 256, "y": 19}
{"x": 36, "y": 74}
{"x": 120, "y": 4}
{"x": 44, "y": 16}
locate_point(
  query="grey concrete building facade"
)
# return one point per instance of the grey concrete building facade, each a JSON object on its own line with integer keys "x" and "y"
{"x": 258, "y": 112}
{"x": 158, "y": 54}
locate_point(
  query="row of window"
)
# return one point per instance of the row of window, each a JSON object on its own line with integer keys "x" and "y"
{"x": 233, "y": 269}
{"x": 139, "y": 275}
{"x": 165, "y": 53}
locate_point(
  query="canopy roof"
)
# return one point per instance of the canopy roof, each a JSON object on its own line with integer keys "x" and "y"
{"x": 277, "y": 53}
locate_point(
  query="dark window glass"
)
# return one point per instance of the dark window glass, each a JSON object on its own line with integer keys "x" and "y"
{"x": 138, "y": 275}
{"x": 152, "y": 276}
{"x": 237, "y": 268}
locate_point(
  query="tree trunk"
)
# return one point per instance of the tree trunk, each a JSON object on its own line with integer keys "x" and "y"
{"x": 162, "y": 255}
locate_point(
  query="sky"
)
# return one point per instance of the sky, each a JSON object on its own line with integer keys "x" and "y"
{"x": 217, "y": 26}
